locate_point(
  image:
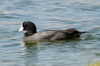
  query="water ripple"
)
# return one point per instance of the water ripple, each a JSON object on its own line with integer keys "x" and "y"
{"x": 48, "y": 15}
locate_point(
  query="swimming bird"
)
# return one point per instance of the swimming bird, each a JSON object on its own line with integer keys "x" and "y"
{"x": 32, "y": 34}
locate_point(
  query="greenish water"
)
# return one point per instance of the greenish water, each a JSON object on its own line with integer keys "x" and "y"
{"x": 50, "y": 14}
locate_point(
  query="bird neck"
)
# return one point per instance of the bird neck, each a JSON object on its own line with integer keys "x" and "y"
{"x": 30, "y": 32}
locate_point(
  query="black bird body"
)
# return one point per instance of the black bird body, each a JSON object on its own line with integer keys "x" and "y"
{"x": 32, "y": 33}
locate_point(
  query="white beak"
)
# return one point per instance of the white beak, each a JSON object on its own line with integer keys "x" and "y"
{"x": 21, "y": 29}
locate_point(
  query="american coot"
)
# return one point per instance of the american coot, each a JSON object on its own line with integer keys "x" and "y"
{"x": 32, "y": 33}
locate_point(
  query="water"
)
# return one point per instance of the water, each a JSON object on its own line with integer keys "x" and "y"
{"x": 50, "y": 14}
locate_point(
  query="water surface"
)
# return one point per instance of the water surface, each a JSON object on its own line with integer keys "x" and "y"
{"x": 48, "y": 15}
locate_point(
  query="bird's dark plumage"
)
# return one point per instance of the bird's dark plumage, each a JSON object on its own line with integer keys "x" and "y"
{"x": 32, "y": 33}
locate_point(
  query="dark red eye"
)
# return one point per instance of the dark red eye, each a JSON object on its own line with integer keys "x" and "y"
{"x": 24, "y": 25}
